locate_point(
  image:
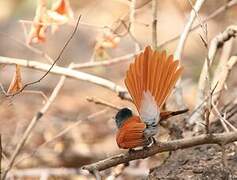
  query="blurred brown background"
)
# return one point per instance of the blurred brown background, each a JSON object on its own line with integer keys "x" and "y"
{"x": 93, "y": 140}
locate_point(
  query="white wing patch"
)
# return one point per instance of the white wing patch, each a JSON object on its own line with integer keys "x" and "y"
{"x": 149, "y": 110}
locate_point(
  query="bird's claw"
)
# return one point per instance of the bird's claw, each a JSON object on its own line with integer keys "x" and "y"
{"x": 131, "y": 150}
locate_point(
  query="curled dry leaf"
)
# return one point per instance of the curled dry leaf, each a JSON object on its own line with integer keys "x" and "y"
{"x": 63, "y": 8}
{"x": 16, "y": 83}
{"x": 60, "y": 13}
{"x": 106, "y": 41}
{"x": 39, "y": 25}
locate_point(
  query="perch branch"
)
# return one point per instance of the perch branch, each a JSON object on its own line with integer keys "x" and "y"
{"x": 221, "y": 138}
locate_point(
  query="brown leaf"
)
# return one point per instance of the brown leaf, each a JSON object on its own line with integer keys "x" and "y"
{"x": 63, "y": 7}
{"x": 60, "y": 13}
{"x": 16, "y": 83}
{"x": 39, "y": 25}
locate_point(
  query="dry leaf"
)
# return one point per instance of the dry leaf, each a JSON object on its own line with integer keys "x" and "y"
{"x": 60, "y": 13}
{"x": 16, "y": 83}
{"x": 63, "y": 7}
{"x": 105, "y": 41}
{"x": 39, "y": 25}
{"x": 108, "y": 40}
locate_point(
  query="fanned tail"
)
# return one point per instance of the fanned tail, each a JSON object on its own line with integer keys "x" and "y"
{"x": 155, "y": 72}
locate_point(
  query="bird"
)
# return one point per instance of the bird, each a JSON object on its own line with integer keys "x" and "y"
{"x": 150, "y": 80}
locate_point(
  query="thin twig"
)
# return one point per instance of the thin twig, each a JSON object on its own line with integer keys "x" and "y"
{"x": 32, "y": 124}
{"x": 211, "y": 16}
{"x": 122, "y": 92}
{"x": 137, "y": 44}
{"x": 216, "y": 43}
{"x": 221, "y": 138}
{"x": 61, "y": 133}
{"x": 132, "y": 21}
{"x": 107, "y": 62}
{"x": 102, "y": 102}
{"x": 41, "y": 93}
{"x": 96, "y": 173}
{"x": 222, "y": 72}
{"x": 179, "y": 50}
{"x": 56, "y": 60}
{"x": 180, "y": 47}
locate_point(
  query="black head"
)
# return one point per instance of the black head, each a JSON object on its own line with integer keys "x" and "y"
{"x": 122, "y": 115}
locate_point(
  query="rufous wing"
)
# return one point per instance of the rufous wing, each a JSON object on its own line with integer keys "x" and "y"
{"x": 154, "y": 74}
{"x": 130, "y": 135}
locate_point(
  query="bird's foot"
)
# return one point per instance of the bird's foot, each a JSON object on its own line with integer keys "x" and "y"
{"x": 153, "y": 140}
{"x": 131, "y": 150}
{"x": 145, "y": 148}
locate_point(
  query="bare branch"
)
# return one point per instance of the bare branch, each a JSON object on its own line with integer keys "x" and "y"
{"x": 107, "y": 62}
{"x": 223, "y": 69}
{"x": 216, "y": 43}
{"x": 187, "y": 27}
{"x": 102, "y": 102}
{"x": 180, "y": 47}
{"x": 69, "y": 73}
{"x": 221, "y": 139}
{"x": 211, "y": 16}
